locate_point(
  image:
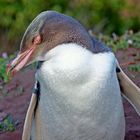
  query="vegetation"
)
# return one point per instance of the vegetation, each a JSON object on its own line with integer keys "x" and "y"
{"x": 121, "y": 42}
{"x": 3, "y": 64}
{"x": 7, "y": 124}
{"x": 107, "y": 16}
{"x": 134, "y": 68}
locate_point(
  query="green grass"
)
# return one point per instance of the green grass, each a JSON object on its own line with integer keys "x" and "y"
{"x": 134, "y": 68}
{"x": 3, "y": 65}
{"x": 136, "y": 40}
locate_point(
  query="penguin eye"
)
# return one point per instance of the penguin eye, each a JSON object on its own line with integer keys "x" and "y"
{"x": 36, "y": 40}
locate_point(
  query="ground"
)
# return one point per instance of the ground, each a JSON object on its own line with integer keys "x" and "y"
{"x": 15, "y": 97}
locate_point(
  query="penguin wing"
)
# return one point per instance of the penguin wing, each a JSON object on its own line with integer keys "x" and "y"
{"x": 129, "y": 89}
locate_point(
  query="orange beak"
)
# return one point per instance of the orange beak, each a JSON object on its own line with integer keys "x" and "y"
{"x": 22, "y": 59}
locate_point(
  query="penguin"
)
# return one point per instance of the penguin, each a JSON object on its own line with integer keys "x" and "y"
{"x": 79, "y": 80}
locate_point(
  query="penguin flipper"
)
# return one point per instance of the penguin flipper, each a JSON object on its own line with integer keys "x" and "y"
{"x": 129, "y": 90}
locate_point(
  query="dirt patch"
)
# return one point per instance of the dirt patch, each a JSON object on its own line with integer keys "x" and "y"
{"x": 16, "y": 96}
{"x": 16, "y": 101}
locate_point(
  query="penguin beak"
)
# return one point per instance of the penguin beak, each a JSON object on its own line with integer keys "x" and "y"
{"x": 22, "y": 59}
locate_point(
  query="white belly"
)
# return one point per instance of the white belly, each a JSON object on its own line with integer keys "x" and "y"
{"x": 80, "y": 96}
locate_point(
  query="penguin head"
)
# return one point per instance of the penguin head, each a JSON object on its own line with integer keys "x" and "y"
{"x": 45, "y": 32}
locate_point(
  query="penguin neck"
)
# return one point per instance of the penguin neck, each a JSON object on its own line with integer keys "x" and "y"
{"x": 65, "y": 58}
{"x": 67, "y": 51}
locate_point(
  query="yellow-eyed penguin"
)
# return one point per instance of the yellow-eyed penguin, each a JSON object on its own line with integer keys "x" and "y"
{"x": 79, "y": 90}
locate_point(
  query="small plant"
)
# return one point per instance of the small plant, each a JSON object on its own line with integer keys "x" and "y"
{"x": 136, "y": 39}
{"x": 3, "y": 65}
{"x": 135, "y": 68}
{"x": 7, "y": 124}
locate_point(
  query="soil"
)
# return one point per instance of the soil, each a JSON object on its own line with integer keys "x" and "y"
{"x": 15, "y": 97}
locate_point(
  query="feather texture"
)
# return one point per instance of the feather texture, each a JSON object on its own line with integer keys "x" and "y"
{"x": 80, "y": 96}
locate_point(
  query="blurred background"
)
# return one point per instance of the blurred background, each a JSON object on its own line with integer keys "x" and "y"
{"x": 111, "y": 16}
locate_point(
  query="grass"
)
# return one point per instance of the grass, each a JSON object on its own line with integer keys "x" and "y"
{"x": 134, "y": 68}
{"x": 3, "y": 65}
